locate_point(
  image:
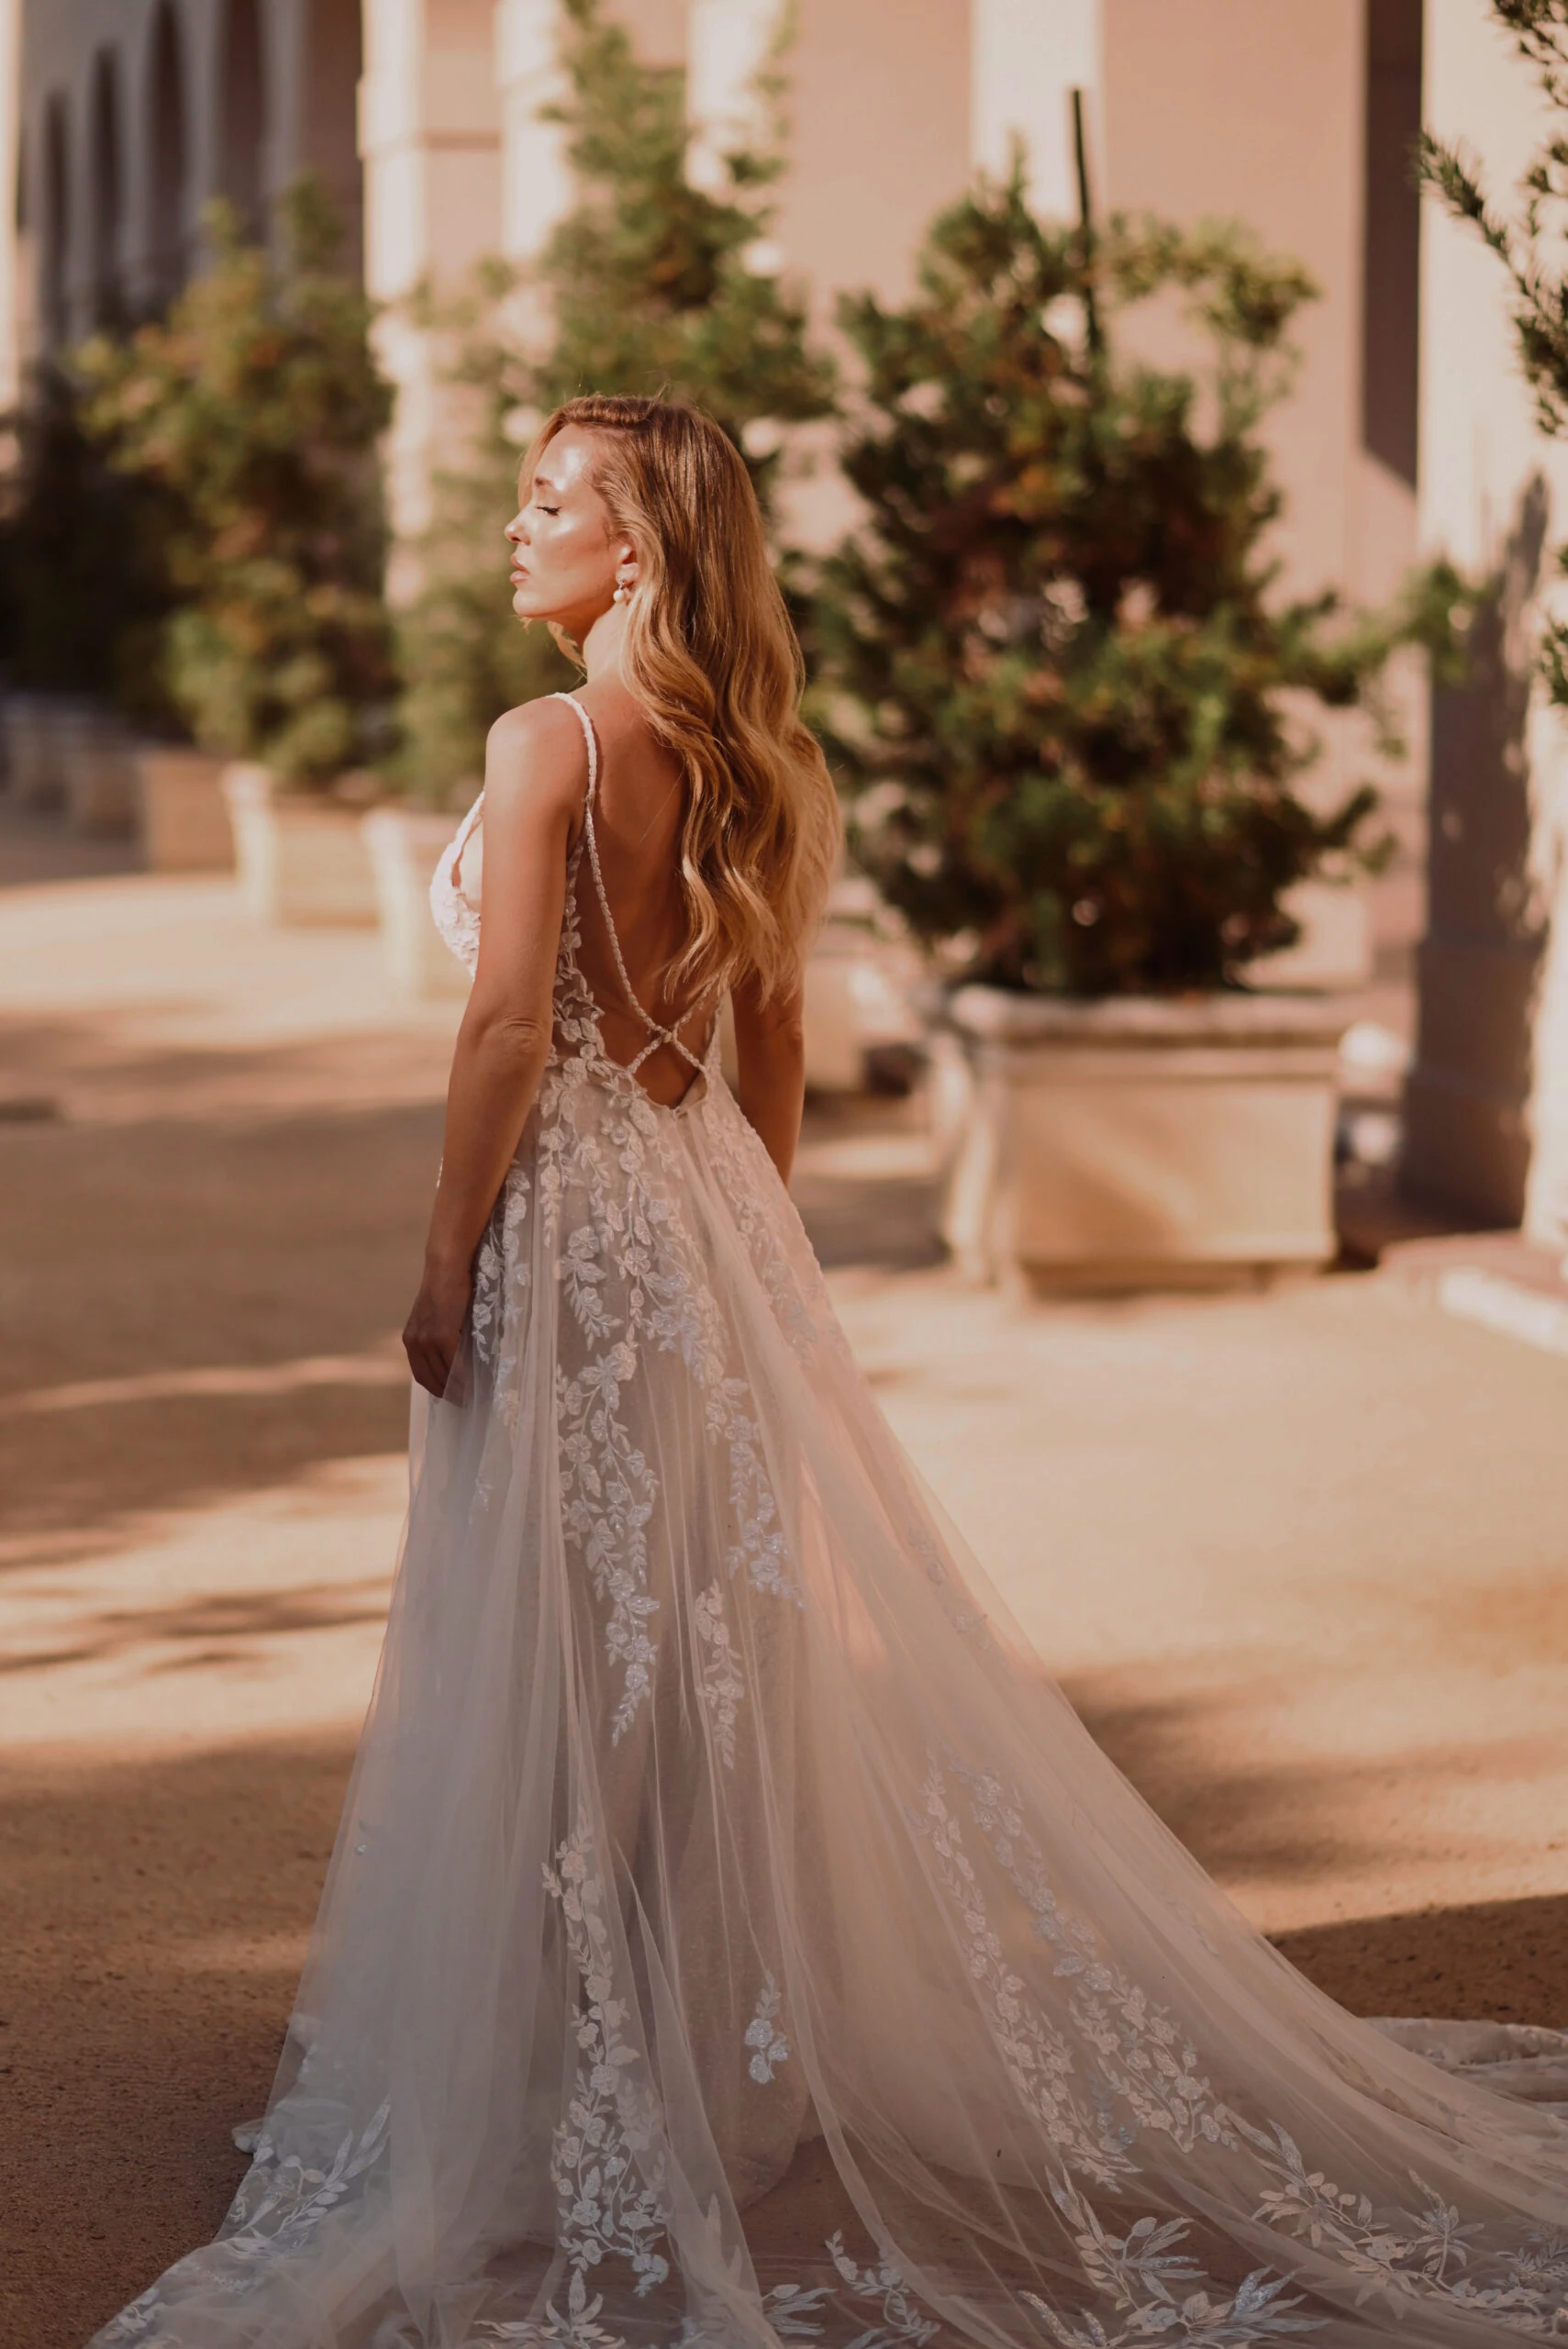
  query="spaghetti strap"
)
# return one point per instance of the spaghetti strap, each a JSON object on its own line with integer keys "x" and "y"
{"x": 657, "y": 1032}
{"x": 591, "y": 739}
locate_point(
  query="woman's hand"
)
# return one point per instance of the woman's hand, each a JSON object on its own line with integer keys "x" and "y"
{"x": 433, "y": 1331}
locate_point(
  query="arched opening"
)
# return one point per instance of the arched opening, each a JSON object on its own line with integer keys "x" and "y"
{"x": 167, "y": 255}
{"x": 330, "y": 145}
{"x": 108, "y": 191}
{"x": 243, "y": 98}
{"x": 1391, "y": 276}
{"x": 55, "y": 258}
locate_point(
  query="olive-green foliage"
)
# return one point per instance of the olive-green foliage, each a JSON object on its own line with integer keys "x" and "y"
{"x": 1054, "y": 671}
{"x": 649, "y": 284}
{"x": 255, "y": 411}
{"x": 1530, "y": 248}
{"x": 82, "y": 594}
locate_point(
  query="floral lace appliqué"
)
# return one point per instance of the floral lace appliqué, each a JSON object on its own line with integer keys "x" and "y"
{"x": 768, "y": 2044}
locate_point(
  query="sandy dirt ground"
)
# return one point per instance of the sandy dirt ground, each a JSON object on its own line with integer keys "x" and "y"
{"x": 1299, "y": 1558}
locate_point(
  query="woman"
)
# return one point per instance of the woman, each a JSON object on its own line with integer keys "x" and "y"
{"x": 709, "y": 1808}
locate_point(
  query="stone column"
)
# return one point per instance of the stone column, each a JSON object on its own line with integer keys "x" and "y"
{"x": 1488, "y": 1108}
{"x": 536, "y": 181}
{"x": 430, "y": 141}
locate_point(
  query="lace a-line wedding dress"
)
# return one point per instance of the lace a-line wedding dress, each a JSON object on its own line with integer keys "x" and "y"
{"x": 709, "y": 1803}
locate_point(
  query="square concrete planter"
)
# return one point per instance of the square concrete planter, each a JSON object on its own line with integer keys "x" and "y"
{"x": 403, "y": 845}
{"x": 182, "y": 816}
{"x": 1136, "y": 1143}
{"x": 858, "y": 982}
{"x": 302, "y": 859}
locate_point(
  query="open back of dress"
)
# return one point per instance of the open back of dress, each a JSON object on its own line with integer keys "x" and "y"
{"x": 709, "y": 1805}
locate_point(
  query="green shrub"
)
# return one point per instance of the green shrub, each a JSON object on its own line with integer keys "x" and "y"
{"x": 84, "y": 586}
{"x": 255, "y": 412}
{"x": 1055, "y": 675}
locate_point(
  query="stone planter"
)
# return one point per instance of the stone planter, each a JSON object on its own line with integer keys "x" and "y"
{"x": 1138, "y": 1143}
{"x": 856, "y": 991}
{"x": 301, "y": 859}
{"x": 182, "y": 817}
{"x": 403, "y": 845}
{"x": 99, "y": 768}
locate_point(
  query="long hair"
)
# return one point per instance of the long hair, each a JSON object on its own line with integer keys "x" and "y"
{"x": 711, "y": 658}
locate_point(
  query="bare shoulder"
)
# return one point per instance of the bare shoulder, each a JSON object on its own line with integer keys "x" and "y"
{"x": 535, "y": 761}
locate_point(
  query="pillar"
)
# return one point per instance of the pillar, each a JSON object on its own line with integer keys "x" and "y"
{"x": 430, "y": 141}
{"x": 1488, "y": 1108}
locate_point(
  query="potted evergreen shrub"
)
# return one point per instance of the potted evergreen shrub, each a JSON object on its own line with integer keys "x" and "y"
{"x": 1065, "y": 702}
{"x": 255, "y": 411}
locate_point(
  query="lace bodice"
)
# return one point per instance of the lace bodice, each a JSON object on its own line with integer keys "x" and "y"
{"x": 455, "y": 906}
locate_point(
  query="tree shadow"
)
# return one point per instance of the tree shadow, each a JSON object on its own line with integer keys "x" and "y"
{"x": 1466, "y": 1127}
{"x": 287, "y": 1246}
{"x": 218, "y": 1628}
{"x": 155, "y": 1920}
{"x": 1301, "y": 1822}
{"x": 1501, "y": 1960}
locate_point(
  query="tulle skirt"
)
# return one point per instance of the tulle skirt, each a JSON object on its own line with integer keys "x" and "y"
{"x": 710, "y": 1805}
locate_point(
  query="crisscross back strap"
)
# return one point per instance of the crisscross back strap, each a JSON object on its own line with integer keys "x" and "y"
{"x": 657, "y": 1032}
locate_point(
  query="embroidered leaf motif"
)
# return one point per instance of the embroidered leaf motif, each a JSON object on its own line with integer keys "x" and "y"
{"x": 719, "y": 1679}
{"x": 770, "y": 2046}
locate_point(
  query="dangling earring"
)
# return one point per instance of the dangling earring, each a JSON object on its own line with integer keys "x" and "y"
{"x": 622, "y": 594}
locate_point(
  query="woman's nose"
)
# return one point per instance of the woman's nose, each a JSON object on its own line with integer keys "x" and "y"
{"x": 516, "y": 530}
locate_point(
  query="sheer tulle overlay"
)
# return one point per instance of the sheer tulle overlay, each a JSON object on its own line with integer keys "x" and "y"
{"x": 709, "y": 1803}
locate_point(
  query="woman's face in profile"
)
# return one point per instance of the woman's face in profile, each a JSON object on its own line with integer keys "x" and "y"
{"x": 564, "y": 560}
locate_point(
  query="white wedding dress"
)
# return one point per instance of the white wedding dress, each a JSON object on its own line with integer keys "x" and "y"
{"x": 709, "y": 1803}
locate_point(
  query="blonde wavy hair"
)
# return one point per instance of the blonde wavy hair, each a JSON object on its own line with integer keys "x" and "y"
{"x": 711, "y": 657}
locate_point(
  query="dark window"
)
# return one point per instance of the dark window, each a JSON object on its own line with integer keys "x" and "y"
{"x": 331, "y": 107}
{"x": 1391, "y": 261}
{"x": 244, "y": 90}
{"x": 56, "y": 254}
{"x": 169, "y": 257}
{"x": 108, "y": 190}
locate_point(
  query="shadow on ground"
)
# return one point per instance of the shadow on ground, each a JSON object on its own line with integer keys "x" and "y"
{"x": 1265, "y": 1820}
{"x": 141, "y": 1253}
{"x": 156, "y": 1920}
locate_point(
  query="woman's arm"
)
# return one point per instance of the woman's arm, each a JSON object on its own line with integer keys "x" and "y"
{"x": 770, "y": 1045}
{"x": 534, "y": 772}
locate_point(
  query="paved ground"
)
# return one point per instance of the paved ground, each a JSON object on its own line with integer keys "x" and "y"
{"x": 1299, "y": 1558}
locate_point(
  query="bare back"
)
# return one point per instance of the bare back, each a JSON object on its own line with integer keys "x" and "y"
{"x": 638, "y": 810}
